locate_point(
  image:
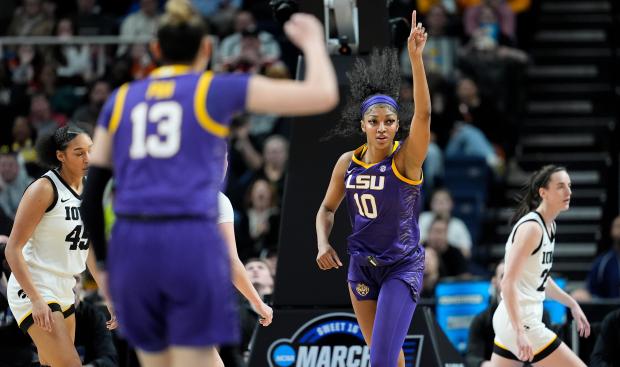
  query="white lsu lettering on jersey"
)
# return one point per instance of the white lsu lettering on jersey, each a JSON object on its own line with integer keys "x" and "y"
{"x": 59, "y": 243}
{"x": 365, "y": 182}
{"x": 537, "y": 269}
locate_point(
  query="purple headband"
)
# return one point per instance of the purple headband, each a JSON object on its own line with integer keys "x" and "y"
{"x": 376, "y": 99}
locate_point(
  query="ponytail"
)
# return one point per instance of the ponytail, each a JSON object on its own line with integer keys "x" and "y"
{"x": 530, "y": 199}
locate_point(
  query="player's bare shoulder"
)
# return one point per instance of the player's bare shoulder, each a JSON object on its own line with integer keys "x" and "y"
{"x": 40, "y": 191}
{"x": 343, "y": 162}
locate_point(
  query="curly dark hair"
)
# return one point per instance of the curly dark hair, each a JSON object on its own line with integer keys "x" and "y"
{"x": 47, "y": 145}
{"x": 380, "y": 75}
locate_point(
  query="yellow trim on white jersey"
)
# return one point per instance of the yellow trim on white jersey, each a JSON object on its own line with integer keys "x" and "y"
{"x": 546, "y": 345}
{"x": 501, "y": 345}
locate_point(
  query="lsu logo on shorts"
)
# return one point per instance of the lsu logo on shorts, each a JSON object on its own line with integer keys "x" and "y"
{"x": 362, "y": 289}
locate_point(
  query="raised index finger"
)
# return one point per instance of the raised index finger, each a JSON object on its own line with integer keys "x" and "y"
{"x": 413, "y": 21}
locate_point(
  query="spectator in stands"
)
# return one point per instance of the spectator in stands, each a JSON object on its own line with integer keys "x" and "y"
{"x": 440, "y": 52}
{"x": 42, "y": 118}
{"x": 243, "y": 157}
{"x": 220, "y": 14}
{"x": 274, "y": 162}
{"x": 13, "y": 182}
{"x": 7, "y": 104}
{"x": 259, "y": 226}
{"x": 250, "y": 58}
{"x": 140, "y": 61}
{"x": 141, "y": 23}
{"x": 473, "y": 109}
{"x": 469, "y": 141}
{"x": 517, "y": 6}
{"x": 263, "y": 13}
{"x": 497, "y": 70}
{"x": 270, "y": 166}
{"x": 425, "y": 6}
{"x": 212, "y": 8}
{"x": 23, "y": 140}
{"x": 260, "y": 276}
{"x": 23, "y": 65}
{"x": 89, "y": 21}
{"x": 62, "y": 96}
{"x": 93, "y": 340}
{"x": 31, "y": 20}
{"x": 606, "y": 352}
{"x": 604, "y": 277}
{"x": 452, "y": 263}
{"x": 481, "y": 335}
{"x": 495, "y": 16}
{"x": 98, "y": 94}
{"x": 441, "y": 206}
{"x": 74, "y": 61}
{"x": 248, "y": 48}
{"x": 431, "y": 273}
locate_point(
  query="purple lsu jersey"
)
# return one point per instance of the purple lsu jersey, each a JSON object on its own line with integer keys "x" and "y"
{"x": 169, "y": 140}
{"x": 383, "y": 208}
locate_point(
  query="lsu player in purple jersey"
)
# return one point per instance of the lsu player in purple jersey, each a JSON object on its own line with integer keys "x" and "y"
{"x": 381, "y": 182}
{"x": 163, "y": 139}
{"x": 520, "y": 334}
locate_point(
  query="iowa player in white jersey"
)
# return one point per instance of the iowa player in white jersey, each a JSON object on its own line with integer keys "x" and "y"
{"x": 520, "y": 334}
{"x": 48, "y": 246}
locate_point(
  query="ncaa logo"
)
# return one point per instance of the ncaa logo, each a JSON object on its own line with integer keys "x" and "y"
{"x": 382, "y": 168}
{"x": 284, "y": 355}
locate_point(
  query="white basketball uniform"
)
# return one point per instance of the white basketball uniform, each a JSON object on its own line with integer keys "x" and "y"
{"x": 226, "y": 211}
{"x": 531, "y": 294}
{"x": 55, "y": 253}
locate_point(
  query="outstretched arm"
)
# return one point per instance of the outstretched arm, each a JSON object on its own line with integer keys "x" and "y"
{"x": 414, "y": 148}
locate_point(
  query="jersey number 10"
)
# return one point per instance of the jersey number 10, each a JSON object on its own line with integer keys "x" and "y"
{"x": 366, "y": 205}
{"x": 167, "y": 115}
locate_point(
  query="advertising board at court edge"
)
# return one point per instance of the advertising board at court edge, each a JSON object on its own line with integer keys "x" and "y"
{"x": 332, "y": 340}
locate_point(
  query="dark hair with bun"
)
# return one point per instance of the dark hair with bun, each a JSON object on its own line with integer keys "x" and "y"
{"x": 180, "y": 32}
{"x": 47, "y": 145}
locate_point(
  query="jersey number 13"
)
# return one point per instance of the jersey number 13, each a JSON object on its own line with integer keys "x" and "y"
{"x": 165, "y": 143}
